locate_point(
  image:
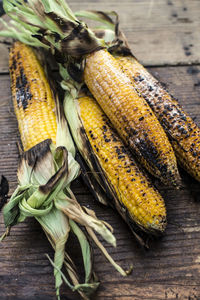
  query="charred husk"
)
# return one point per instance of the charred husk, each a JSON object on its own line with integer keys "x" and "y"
{"x": 37, "y": 153}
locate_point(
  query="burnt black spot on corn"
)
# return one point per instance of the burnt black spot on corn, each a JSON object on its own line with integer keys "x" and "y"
{"x": 131, "y": 188}
{"x": 183, "y": 133}
{"x": 23, "y": 94}
{"x": 32, "y": 97}
{"x": 131, "y": 115}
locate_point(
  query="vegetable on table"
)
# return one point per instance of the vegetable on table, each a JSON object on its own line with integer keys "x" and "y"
{"x": 46, "y": 169}
{"x": 183, "y": 132}
{"x": 130, "y": 190}
{"x": 127, "y": 187}
{"x": 53, "y": 25}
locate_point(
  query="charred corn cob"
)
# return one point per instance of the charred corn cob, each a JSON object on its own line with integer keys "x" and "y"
{"x": 46, "y": 169}
{"x": 130, "y": 115}
{"x": 182, "y": 131}
{"x": 134, "y": 196}
{"x": 34, "y": 104}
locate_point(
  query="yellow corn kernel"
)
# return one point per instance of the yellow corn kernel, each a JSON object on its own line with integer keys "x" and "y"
{"x": 182, "y": 131}
{"x": 130, "y": 115}
{"x": 33, "y": 100}
{"x": 131, "y": 186}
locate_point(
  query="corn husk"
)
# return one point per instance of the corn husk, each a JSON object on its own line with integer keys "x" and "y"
{"x": 44, "y": 172}
{"x": 49, "y": 24}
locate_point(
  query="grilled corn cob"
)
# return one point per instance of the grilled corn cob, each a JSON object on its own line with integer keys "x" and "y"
{"x": 182, "y": 131}
{"x": 33, "y": 101}
{"x": 130, "y": 115}
{"x": 46, "y": 170}
{"x": 128, "y": 112}
{"x": 134, "y": 196}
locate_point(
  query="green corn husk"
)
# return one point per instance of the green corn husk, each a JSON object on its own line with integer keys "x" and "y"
{"x": 45, "y": 173}
{"x": 35, "y": 23}
{"x": 37, "y": 195}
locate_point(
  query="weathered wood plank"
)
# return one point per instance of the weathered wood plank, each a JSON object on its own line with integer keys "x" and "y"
{"x": 170, "y": 269}
{"x": 161, "y": 32}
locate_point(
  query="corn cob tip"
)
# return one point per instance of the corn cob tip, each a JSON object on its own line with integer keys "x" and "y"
{"x": 159, "y": 224}
{"x": 178, "y": 182}
{"x": 174, "y": 181}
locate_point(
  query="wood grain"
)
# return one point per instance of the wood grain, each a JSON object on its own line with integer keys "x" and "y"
{"x": 170, "y": 269}
{"x": 160, "y": 32}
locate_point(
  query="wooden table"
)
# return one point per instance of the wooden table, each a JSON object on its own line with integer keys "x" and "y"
{"x": 164, "y": 36}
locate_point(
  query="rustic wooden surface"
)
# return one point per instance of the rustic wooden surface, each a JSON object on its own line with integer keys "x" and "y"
{"x": 161, "y": 33}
